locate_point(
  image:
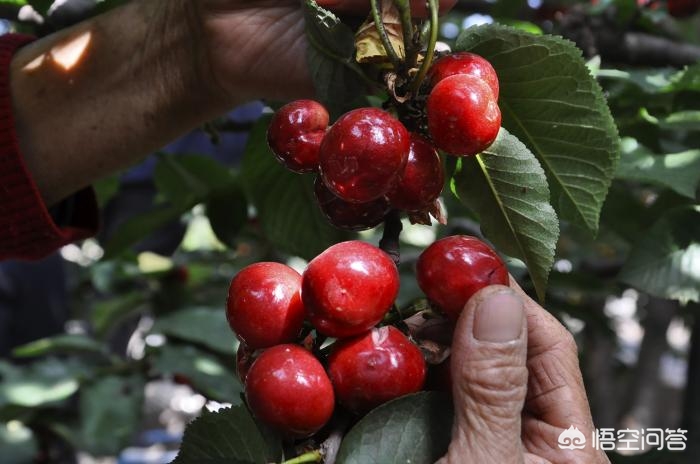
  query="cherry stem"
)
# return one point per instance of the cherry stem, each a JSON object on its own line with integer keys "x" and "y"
{"x": 390, "y": 239}
{"x": 379, "y": 24}
{"x": 311, "y": 456}
{"x": 404, "y": 8}
{"x": 430, "y": 51}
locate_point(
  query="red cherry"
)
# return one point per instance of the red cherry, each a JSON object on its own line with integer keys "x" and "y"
{"x": 464, "y": 63}
{"x": 349, "y": 288}
{"x": 374, "y": 368}
{"x": 264, "y": 306}
{"x": 683, "y": 8}
{"x": 362, "y": 154}
{"x": 463, "y": 115}
{"x": 349, "y": 216}
{"x": 288, "y": 389}
{"x": 422, "y": 179}
{"x": 454, "y": 268}
{"x": 295, "y": 134}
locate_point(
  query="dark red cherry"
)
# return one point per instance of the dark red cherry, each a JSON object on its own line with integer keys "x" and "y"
{"x": 422, "y": 179}
{"x": 350, "y": 216}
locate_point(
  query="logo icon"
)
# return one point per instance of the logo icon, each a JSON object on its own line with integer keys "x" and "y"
{"x": 572, "y": 439}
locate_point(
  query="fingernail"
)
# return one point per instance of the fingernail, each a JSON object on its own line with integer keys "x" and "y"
{"x": 499, "y": 318}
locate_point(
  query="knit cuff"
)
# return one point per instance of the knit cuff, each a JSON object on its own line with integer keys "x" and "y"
{"x": 27, "y": 230}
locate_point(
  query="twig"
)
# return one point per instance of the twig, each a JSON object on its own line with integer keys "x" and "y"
{"x": 390, "y": 239}
{"x": 430, "y": 52}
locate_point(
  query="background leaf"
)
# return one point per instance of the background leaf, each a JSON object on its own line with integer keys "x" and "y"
{"x": 677, "y": 171}
{"x": 229, "y": 436}
{"x": 550, "y": 101}
{"x": 110, "y": 411}
{"x": 331, "y": 59}
{"x": 665, "y": 262}
{"x": 415, "y": 428}
{"x": 507, "y": 188}
{"x": 285, "y": 202}
{"x": 64, "y": 343}
{"x": 206, "y": 326}
{"x": 204, "y": 371}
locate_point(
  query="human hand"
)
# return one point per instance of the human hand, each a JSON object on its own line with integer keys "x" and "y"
{"x": 516, "y": 384}
{"x": 258, "y": 49}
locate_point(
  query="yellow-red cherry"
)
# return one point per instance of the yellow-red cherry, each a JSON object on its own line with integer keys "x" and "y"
{"x": 288, "y": 389}
{"x": 264, "y": 306}
{"x": 374, "y": 368}
{"x": 295, "y": 134}
{"x": 349, "y": 288}
{"x": 362, "y": 154}
{"x": 463, "y": 115}
{"x": 454, "y": 268}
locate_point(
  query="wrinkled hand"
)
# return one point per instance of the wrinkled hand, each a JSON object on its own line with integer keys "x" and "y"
{"x": 516, "y": 384}
{"x": 257, "y": 49}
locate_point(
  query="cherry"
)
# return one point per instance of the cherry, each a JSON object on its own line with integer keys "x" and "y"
{"x": 264, "y": 306}
{"x": 683, "y": 8}
{"x": 362, "y": 154}
{"x": 288, "y": 389}
{"x": 464, "y": 63}
{"x": 349, "y": 216}
{"x": 349, "y": 288}
{"x": 374, "y": 368}
{"x": 422, "y": 179}
{"x": 295, "y": 134}
{"x": 463, "y": 115}
{"x": 454, "y": 268}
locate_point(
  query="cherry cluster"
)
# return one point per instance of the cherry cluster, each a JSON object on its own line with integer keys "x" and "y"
{"x": 295, "y": 371}
{"x": 368, "y": 162}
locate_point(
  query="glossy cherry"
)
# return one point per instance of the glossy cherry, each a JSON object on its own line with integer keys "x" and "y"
{"x": 452, "y": 269}
{"x": 362, "y": 154}
{"x": 374, "y": 368}
{"x": 288, "y": 389}
{"x": 264, "y": 306}
{"x": 464, "y": 63}
{"x": 422, "y": 179}
{"x": 349, "y": 288}
{"x": 463, "y": 115}
{"x": 295, "y": 134}
{"x": 350, "y": 216}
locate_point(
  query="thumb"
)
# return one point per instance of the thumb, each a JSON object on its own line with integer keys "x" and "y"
{"x": 489, "y": 378}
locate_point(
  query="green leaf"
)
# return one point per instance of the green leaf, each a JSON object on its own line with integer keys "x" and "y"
{"x": 44, "y": 382}
{"x": 507, "y": 188}
{"x": 106, "y": 314}
{"x": 227, "y": 211}
{"x": 550, "y": 101}
{"x": 229, "y": 436}
{"x": 681, "y": 120}
{"x": 330, "y": 58}
{"x": 206, "y": 326}
{"x": 204, "y": 371}
{"x": 110, "y": 412}
{"x": 64, "y": 343}
{"x": 17, "y": 444}
{"x": 677, "y": 171}
{"x": 186, "y": 180}
{"x": 414, "y": 428}
{"x": 285, "y": 202}
{"x": 138, "y": 227}
{"x": 665, "y": 262}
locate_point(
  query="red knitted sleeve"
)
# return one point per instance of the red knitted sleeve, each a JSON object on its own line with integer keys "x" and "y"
{"x": 27, "y": 230}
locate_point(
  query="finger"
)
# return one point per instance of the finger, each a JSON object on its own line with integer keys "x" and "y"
{"x": 362, "y": 6}
{"x": 489, "y": 378}
{"x": 556, "y": 398}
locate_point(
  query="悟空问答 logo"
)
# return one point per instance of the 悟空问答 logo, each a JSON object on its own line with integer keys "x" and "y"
{"x": 572, "y": 438}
